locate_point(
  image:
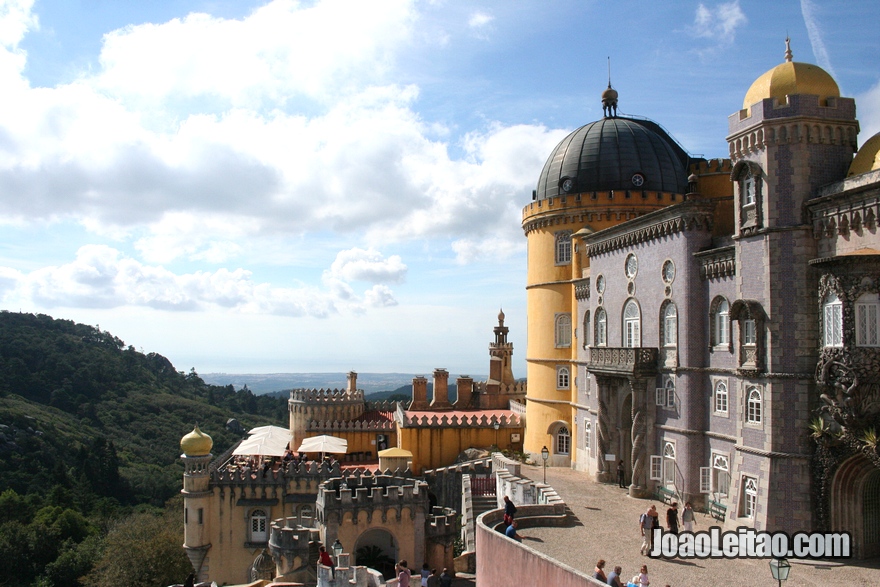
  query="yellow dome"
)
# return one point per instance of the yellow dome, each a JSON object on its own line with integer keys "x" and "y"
{"x": 868, "y": 157}
{"x": 196, "y": 443}
{"x": 792, "y": 78}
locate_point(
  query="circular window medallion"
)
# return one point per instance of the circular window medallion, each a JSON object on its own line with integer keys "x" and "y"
{"x": 567, "y": 184}
{"x": 632, "y": 266}
{"x": 668, "y": 271}
{"x": 638, "y": 180}
{"x": 600, "y": 284}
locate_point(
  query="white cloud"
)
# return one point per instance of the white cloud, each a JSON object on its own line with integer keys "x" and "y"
{"x": 281, "y": 50}
{"x": 814, "y": 31}
{"x": 480, "y": 20}
{"x": 869, "y": 113}
{"x": 367, "y": 265}
{"x": 16, "y": 20}
{"x": 102, "y": 277}
{"x": 718, "y": 22}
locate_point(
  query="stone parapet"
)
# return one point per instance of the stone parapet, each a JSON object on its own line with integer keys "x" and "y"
{"x": 335, "y": 396}
{"x": 441, "y": 420}
{"x": 375, "y": 494}
{"x": 350, "y": 426}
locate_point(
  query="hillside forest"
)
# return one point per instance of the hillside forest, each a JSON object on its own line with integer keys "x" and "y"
{"x": 90, "y": 473}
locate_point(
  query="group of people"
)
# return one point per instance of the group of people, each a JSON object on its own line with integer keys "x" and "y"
{"x": 429, "y": 577}
{"x": 651, "y": 519}
{"x": 613, "y": 578}
{"x": 510, "y": 524}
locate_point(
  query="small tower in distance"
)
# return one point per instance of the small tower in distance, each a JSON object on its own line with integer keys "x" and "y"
{"x": 196, "y": 447}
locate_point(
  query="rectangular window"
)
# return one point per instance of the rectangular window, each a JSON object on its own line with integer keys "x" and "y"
{"x": 563, "y": 247}
{"x": 866, "y": 325}
{"x": 660, "y": 396}
{"x": 656, "y": 467}
{"x": 670, "y": 396}
{"x": 748, "y": 189}
{"x": 749, "y": 332}
{"x": 201, "y": 516}
{"x": 705, "y": 480}
{"x": 669, "y": 471}
{"x": 833, "y": 325}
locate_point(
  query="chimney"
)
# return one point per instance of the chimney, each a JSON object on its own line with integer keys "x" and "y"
{"x": 419, "y": 394}
{"x": 465, "y": 392}
{"x": 441, "y": 390}
{"x": 352, "y": 381}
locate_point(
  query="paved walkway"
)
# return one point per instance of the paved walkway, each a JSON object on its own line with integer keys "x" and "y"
{"x": 607, "y": 528}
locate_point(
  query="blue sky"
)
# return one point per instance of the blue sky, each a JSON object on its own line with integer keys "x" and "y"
{"x": 332, "y": 185}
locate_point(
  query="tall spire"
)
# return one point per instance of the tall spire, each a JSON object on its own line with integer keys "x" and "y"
{"x": 788, "y": 55}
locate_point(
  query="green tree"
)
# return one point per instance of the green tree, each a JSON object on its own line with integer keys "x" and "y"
{"x": 142, "y": 550}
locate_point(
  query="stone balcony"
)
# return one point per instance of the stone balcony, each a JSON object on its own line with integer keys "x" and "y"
{"x": 623, "y": 362}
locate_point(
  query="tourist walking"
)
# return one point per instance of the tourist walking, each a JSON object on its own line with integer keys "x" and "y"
{"x": 687, "y": 517}
{"x": 646, "y": 527}
{"x": 672, "y": 518}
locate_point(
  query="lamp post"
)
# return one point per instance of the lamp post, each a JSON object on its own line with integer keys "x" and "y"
{"x": 545, "y": 454}
{"x": 779, "y": 568}
{"x": 337, "y": 550}
{"x": 496, "y": 425}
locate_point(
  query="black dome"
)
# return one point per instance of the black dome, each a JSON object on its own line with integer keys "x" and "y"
{"x": 611, "y": 154}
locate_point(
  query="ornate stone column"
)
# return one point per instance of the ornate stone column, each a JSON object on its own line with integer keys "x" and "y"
{"x": 639, "y": 485}
{"x": 603, "y": 469}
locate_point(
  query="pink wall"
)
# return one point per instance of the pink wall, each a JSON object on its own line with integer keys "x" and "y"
{"x": 502, "y": 562}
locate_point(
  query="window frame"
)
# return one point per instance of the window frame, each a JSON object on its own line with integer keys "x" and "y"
{"x": 669, "y": 322}
{"x": 588, "y": 433}
{"x": 718, "y": 397}
{"x": 563, "y": 247}
{"x": 867, "y": 326}
{"x": 749, "y": 496}
{"x": 720, "y": 466}
{"x": 668, "y": 463}
{"x": 562, "y": 334}
{"x": 754, "y": 407}
{"x": 632, "y": 325}
{"x": 563, "y": 378}
{"x": 256, "y": 517}
{"x": 721, "y": 323}
{"x": 832, "y": 321}
{"x": 563, "y": 441}
{"x": 601, "y": 327}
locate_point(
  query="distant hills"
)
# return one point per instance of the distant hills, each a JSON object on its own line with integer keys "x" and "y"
{"x": 375, "y": 385}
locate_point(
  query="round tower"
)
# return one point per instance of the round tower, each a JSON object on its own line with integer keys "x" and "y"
{"x": 600, "y": 175}
{"x": 330, "y": 405}
{"x": 196, "y": 448}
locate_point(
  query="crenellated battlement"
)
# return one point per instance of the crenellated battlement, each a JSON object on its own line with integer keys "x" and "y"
{"x": 711, "y": 166}
{"x": 350, "y": 426}
{"x": 442, "y": 522}
{"x": 380, "y": 494}
{"x": 326, "y": 396}
{"x": 441, "y": 420}
{"x": 517, "y": 388}
{"x": 290, "y": 472}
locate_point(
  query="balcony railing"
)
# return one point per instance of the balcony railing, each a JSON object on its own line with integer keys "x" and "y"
{"x": 640, "y": 362}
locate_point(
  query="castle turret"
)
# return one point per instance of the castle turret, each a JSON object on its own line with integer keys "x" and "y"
{"x": 196, "y": 447}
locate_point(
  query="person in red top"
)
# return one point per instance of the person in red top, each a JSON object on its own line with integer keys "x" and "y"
{"x": 324, "y": 558}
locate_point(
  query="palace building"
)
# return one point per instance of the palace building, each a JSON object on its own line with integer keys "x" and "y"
{"x": 713, "y": 324}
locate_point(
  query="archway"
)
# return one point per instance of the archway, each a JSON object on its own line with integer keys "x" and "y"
{"x": 626, "y": 423}
{"x": 376, "y": 548}
{"x": 855, "y": 505}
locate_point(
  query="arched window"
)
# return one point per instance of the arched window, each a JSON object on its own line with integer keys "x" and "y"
{"x": 601, "y": 337}
{"x": 563, "y": 330}
{"x": 753, "y": 406}
{"x": 750, "y": 497}
{"x": 669, "y": 322}
{"x": 631, "y": 325}
{"x": 669, "y": 464}
{"x": 868, "y": 320}
{"x": 563, "y": 247}
{"x": 562, "y": 378}
{"x": 720, "y": 474}
{"x": 259, "y": 531}
{"x": 586, "y": 328}
{"x": 721, "y": 397}
{"x": 720, "y": 322}
{"x": 832, "y": 321}
{"x": 563, "y": 441}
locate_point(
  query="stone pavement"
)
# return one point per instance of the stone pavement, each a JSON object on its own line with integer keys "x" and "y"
{"x": 607, "y": 527}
